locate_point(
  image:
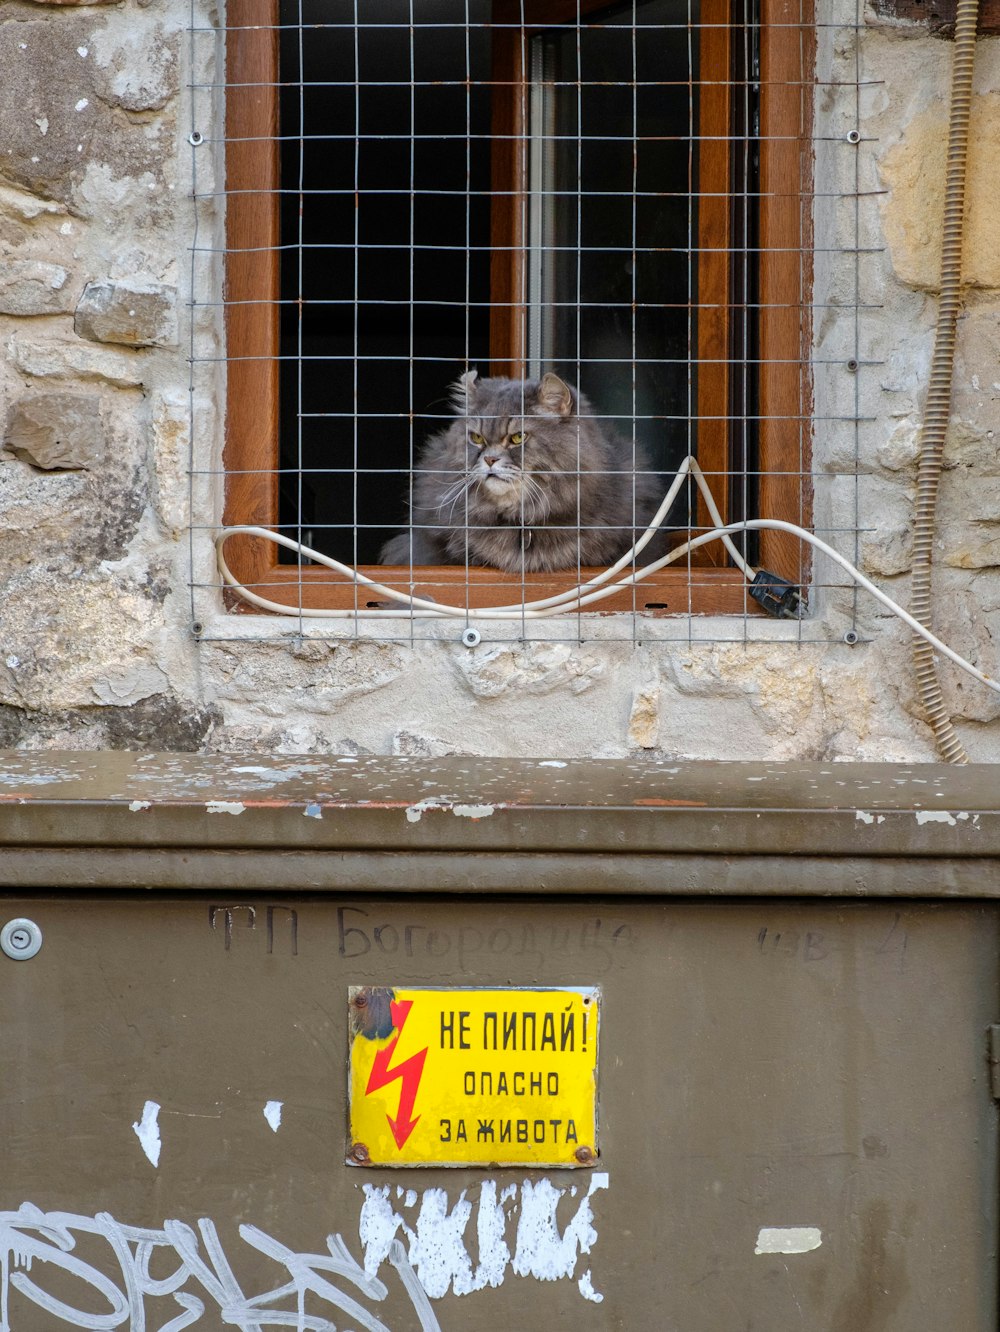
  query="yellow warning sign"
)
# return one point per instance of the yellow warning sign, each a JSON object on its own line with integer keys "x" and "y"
{"x": 473, "y": 1077}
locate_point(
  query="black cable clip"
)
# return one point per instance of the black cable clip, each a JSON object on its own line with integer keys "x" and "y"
{"x": 779, "y": 598}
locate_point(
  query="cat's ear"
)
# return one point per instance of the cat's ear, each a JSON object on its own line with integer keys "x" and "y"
{"x": 555, "y": 396}
{"x": 463, "y": 392}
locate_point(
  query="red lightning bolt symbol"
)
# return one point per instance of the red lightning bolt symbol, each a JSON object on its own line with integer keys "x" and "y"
{"x": 408, "y": 1072}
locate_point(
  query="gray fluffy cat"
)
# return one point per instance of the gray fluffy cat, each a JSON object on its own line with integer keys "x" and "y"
{"x": 525, "y": 479}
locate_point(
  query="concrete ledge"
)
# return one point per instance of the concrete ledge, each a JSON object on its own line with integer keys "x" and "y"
{"x": 114, "y": 819}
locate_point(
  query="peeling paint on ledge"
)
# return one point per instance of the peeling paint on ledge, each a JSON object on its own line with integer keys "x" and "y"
{"x": 415, "y": 812}
{"x": 225, "y": 806}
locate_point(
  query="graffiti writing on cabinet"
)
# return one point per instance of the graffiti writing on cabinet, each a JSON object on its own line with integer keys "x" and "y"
{"x": 597, "y": 943}
{"x": 94, "y": 1273}
{"x": 245, "y": 918}
{"x": 33, "y": 1242}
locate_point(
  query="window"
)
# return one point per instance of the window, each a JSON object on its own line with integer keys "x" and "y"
{"x": 620, "y": 193}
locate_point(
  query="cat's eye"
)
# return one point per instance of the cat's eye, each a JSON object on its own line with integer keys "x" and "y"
{"x": 477, "y": 439}
{"x": 518, "y": 438}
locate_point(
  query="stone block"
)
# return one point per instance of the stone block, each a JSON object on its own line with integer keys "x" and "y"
{"x": 169, "y": 424}
{"x": 81, "y": 642}
{"x": 900, "y": 449}
{"x": 63, "y": 124}
{"x": 76, "y": 360}
{"x": 25, "y": 206}
{"x": 536, "y": 668}
{"x": 139, "y": 64}
{"x": 968, "y": 518}
{"x": 959, "y": 622}
{"x": 30, "y": 287}
{"x": 888, "y": 553}
{"x": 913, "y": 169}
{"x": 39, "y": 512}
{"x": 56, "y": 430}
{"x": 162, "y": 722}
{"x": 644, "y": 717}
{"x": 134, "y": 313}
{"x": 71, "y": 499}
{"x": 411, "y": 744}
{"x": 885, "y": 515}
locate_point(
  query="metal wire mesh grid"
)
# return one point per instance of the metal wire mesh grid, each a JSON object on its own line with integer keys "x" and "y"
{"x": 643, "y": 200}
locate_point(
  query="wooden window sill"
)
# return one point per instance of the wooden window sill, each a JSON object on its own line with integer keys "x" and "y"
{"x": 679, "y": 591}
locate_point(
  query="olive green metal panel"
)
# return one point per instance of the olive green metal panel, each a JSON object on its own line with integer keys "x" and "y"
{"x": 807, "y": 1076}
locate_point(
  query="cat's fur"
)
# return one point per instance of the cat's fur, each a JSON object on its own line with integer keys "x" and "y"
{"x": 571, "y": 493}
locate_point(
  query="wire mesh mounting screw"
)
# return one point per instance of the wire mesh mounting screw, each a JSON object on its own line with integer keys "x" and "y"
{"x": 851, "y": 637}
{"x": 196, "y": 138}
{"x": 853, "y": 136}
{"x": 853, "y": 364}
{"x": 20, "y": 939}
{"x": 471, "y": 638}
{"x": 197, "y": 628}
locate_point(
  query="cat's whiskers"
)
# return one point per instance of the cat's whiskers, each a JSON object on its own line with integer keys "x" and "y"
{"x": 534, "y": 501}
{"x": 454, "y": 493}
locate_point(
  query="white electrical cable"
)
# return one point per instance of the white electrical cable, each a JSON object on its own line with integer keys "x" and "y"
{"x": 583, "y": 594}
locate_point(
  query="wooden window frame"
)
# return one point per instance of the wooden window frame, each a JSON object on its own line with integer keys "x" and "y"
{"x": 252, "y": 290}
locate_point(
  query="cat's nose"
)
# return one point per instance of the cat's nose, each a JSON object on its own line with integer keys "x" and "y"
{"x": 490, "y": 458}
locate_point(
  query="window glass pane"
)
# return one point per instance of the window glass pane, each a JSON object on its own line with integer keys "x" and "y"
{"x": 613, "y": 211}
{"x": 389, "y": 230}
{"x": 385, "y": 127}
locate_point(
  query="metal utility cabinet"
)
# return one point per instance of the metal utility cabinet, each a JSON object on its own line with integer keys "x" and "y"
{"x": 736, "y": 1018}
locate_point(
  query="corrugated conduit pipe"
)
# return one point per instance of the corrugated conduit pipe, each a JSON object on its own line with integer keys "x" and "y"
{"x": 938, "y": 409}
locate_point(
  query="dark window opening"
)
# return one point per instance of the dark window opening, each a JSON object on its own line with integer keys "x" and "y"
{"x": 391, "y": 238}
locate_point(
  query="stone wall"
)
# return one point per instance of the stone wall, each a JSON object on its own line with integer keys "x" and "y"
{"x": 96, "y": 613}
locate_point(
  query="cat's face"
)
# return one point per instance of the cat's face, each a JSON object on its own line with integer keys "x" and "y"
{"x": 516, "y": 440}
{"x": 499, "y": 451}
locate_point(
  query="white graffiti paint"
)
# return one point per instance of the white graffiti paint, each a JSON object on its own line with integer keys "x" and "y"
{"x": 437, "y": 1239}
{"x": 272, "y": 1113}
{"x": 202, "y": 1284}
{"x": 788, "y": 1239}
{"x": 148, "y": 1133}
{"x": 586, "y": 1287}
